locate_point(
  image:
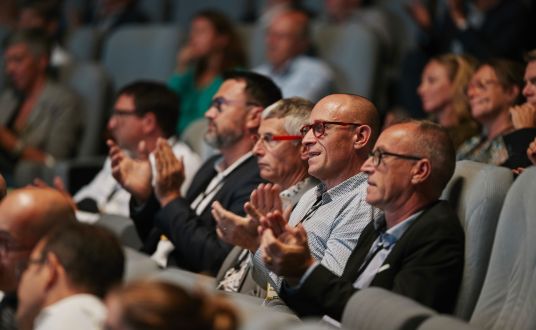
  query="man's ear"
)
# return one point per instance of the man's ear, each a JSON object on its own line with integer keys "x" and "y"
{"x": 149, "y": 122}
{"x": 54, "y": 269}
{"x": 253, "y": 117}
{"x": 362, "y": 136}
{"x": 513, "y": 93}
{"x": 421, "y": 171}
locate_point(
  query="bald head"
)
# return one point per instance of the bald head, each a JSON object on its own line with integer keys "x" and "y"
{"x": 29, "y": 213}
{"x": 354, "y": 109}
{"x": 26, "y": 215}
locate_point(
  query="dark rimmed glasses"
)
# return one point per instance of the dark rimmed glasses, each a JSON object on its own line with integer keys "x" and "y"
{"x": 219, "y": 101}
{"x": 124, "y": 113}
{"x": 378, "y": 154}
{"x": 319, "y": 127}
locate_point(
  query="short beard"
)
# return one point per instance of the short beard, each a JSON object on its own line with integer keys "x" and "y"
{"x": 221, "y": 141}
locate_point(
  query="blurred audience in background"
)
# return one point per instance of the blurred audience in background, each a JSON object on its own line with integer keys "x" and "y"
{"x": 494, "y": 88}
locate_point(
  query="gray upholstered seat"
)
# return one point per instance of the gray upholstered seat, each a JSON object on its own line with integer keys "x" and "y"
{"x": 138, "y": 265}
{"x": 124, "y": 229}
{"x": 476, "y": 191}
{"x": 507, "y": 300}
{"x": 141, "y": 52}
{"x": 352, "y": 50}
{"x": 376, "y": 308}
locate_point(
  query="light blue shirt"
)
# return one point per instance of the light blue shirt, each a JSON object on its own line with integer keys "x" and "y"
{"x": 303, "y": 76}
{"x": 332, "y": 230}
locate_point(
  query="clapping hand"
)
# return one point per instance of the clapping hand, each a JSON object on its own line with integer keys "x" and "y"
{"x": 169, "y": 173}
{"x": 134, "y": 175}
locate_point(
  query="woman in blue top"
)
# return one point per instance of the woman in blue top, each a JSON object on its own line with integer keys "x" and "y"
{"x": 213, "y": 46}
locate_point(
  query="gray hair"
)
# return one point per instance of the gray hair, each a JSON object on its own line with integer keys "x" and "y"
{"x": 294, "y": 110}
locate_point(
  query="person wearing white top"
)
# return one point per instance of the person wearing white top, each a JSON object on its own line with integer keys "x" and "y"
{"x": 69, "y": 271}
{"x": 143, "y": 111}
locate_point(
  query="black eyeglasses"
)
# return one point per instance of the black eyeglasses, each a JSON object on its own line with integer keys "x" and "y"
{"x": 217, "y": 103}
{"x": 378, "y": 154}
{"x": 124, "y": 113}
{"x": 319, "y": 127}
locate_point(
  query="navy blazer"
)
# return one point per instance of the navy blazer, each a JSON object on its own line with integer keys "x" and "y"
{"x": 426, "y": 264}
{"x": 197, "y": 246}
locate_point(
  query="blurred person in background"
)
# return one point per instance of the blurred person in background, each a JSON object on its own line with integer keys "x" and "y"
{"x": 213, "y": 46}
{"x": 142, "y": 305}
{"x": 287, "y": 41}
{"x": 279, "y": 155}
{"x": 484, "y": 29}
{"x": 45, "y": 15}
{"x": 494, "y": 88}
{"x": 442, "y": 92}
{"x": 40, "y": 120}
{"x": 69, "y": 271}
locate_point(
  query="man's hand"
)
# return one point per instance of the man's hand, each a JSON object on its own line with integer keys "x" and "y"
{"x": 265, "y": 198}
{"x": 169, "y": 173}
{"x": 134, "y": 175}
{"x": 234, "y": 229}
{"x": 523, "y": 116}
{"x": 287, "y": 255}
{"x": 531, "y": 152}
{"x": 276, "y": 222}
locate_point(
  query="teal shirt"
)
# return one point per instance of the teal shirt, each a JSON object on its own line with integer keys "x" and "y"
{"x": 194, "y": 101}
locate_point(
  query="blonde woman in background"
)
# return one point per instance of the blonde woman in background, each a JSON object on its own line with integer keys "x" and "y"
{"x": 442, "y": 92}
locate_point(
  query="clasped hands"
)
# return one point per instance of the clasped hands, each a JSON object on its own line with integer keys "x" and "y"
{"x": 135, "y": 174}
{"x": 284, "y": 249}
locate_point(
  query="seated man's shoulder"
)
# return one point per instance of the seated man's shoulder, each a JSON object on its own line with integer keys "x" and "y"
{"x": 314, "y": 63}
{"x": 441, "y": 218}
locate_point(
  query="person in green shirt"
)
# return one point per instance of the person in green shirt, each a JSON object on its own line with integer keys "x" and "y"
{"x": 213, "y": 46}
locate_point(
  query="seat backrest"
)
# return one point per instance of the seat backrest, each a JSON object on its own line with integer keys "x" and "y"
{"x": 377, "y": 308}
{"x": 193, "y": 137}
{"x": 91, "y": 83}
{"x": 84, "y": 43}
{"x": 476, "y": 191}
{"x": 507, "y": 297}
{"x": 154, "y": 9}
{"x": 445, "y": 322}
{"x": 138, "y": 265}
{"x": 185, "y": 279}
{"x": 352, "y": 50}
{"x": 141, "y": 52}
{"x": 182, "y": 11}
{"x": 124, "y": 229}
{"x": 253, "y": 39}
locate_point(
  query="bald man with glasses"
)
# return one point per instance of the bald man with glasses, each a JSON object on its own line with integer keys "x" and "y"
{"x": 336, "y": 142}
{"x": 416, "y": 249}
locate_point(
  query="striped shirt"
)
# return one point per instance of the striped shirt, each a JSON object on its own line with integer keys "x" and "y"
{"x": 332, "y": 229}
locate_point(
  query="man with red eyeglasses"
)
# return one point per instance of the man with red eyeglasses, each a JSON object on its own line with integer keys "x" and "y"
{"x": 180, "y": 229}
{"x": 416, "y": 249}
{"x": 341, "y": 132}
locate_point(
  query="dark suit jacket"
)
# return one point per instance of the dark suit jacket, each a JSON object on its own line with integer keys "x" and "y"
{"x": 197, "y": 246}
{"x": 426, "y": 265}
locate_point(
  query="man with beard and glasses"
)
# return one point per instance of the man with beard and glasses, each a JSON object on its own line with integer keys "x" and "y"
{"x": 182, "y": 226}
